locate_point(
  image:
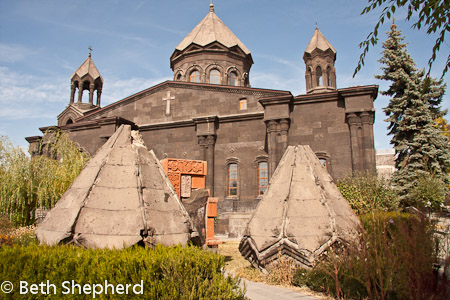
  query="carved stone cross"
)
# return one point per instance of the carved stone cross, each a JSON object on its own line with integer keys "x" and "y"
{"x": 168, "y": 98}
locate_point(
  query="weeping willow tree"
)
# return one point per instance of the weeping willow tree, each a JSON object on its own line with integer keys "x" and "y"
{"x": 28, "y": 182}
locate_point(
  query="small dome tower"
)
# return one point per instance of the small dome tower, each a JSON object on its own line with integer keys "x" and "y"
{"x": 211, "y": 53}
{"x": 319, "y": 58}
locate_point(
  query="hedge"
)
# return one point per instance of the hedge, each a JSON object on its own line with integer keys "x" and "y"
{"x": 165, "y": 273}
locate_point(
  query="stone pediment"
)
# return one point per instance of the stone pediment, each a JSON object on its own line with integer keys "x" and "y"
{"x": 168, "y": 85}
{"x": 73, "y": 112}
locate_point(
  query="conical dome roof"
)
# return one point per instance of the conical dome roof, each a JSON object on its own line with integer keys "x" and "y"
{"x": 87, "y": 68}
{"x": 301, "y": 214}
{"x": 318, "y": 41}
{"x": 121, "y": 197}
{"x": 212, "y": 29}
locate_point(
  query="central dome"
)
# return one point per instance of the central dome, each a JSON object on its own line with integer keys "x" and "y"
{"x": 211, "y": 53}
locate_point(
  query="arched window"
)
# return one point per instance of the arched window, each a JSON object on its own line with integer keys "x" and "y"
{"x": 233, "y": 79}
{"x": 214, "y": 76}
{"x": 263, "y": 177}
{"x": 233, "y": 180}
{"x": 195, "y": 76}
{"x": 69, "y": 121}
{"x": 319, "y": 76}
{"x": 329, "y": 76}
{"x": 179, "y": 77}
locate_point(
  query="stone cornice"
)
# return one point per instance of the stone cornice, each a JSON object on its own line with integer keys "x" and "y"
{"x": 167, "y": 125}
{"x": 335, "y": 95}
{"x": 178, "y": 55}
{"x": 359, "y": 91}
{"x": 241, "y": 117}
{"x": 200, "y": 120}
{"x": 187, "y": 85}
{"x": 319, "y": 97}
{"x": 90, "y": 124}
{"x": 275, "y": 100}
{"x": 33, "y": 139}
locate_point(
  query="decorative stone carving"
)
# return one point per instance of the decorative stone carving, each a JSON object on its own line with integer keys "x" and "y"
{"x": 176, "y": 169}
{"x": 186, "y": 186}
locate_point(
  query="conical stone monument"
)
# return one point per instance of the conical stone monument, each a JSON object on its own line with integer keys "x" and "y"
{"x": 301, "y": 214}
{"x": 122, "y": 197}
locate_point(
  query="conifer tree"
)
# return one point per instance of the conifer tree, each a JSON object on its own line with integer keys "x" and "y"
{"x": 421, "y": 151}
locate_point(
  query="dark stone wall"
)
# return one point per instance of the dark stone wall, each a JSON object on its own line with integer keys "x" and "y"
{"x": 323, "y": 126}
{"x": 89, "y": 139}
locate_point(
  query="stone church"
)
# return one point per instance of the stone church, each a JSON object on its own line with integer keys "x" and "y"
{"x": 210, "y": 112}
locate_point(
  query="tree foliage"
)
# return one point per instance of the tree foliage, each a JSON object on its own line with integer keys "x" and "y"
{"x": 434, "y": 15}
{"x": 414, "y": 105}
{"x": 36, "y": 182}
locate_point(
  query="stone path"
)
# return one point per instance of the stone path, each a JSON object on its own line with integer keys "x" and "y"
{"x": 261, "y": 291}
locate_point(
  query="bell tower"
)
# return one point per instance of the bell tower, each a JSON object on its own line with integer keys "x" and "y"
{"x": 319, "y": 58}
{"x": 86, "y": 77}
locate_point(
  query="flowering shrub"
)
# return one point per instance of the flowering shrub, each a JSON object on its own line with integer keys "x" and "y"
{"x": 6, "y": 240}
{"x": 16, "y": 236}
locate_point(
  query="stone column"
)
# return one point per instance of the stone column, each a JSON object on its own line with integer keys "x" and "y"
{"x": 80, "y": 92}
{"x": 313, "y": 79}
{"x": 284, "y": 129}
{"x": 99, "y": 93}
{"x": 210, "y": 143}
{"x": 91, "y": 94}
{"x": 207, "y": 144}
{"x": 367, "y": 119}
{"x": 354, "y": 122}
{"x": 272, "y": 145}
{"x": 72, "y": 93}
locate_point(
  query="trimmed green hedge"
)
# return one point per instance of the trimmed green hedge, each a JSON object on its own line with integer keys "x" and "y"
{"x": 166, "y": 273}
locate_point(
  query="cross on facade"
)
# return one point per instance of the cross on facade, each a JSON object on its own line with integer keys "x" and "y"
{"x": 90, "y": 50}
{"x": 168, "y": 98}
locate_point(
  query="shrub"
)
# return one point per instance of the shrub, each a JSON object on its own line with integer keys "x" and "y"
{"x": 282, "y": 272}
{"x": 5, "y": 225}
{"x": 393, "y": 259}
{"x": 167, "y": 273}
{"x": 366, "y": 192}
{"x": 429, "y": 192}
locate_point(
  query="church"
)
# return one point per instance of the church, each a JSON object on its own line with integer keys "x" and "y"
{"x": 210, "y": 112}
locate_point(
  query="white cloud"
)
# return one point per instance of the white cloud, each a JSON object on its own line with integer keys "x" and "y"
{"x": 23, "y": 88}
{"x": 25, "y": 112}
{"x": 11, "y": 53}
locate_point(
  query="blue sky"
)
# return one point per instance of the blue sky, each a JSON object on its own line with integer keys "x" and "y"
{"x": 43, "y": 42}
